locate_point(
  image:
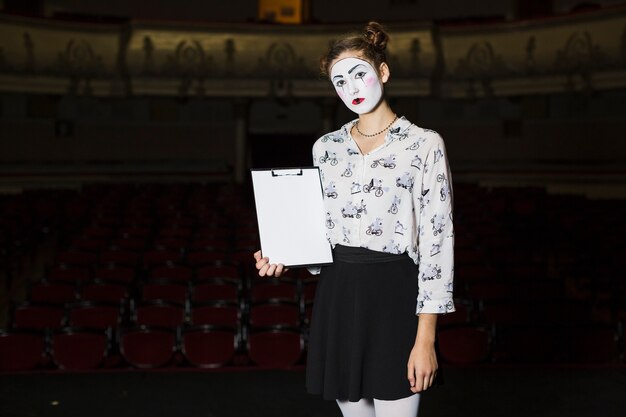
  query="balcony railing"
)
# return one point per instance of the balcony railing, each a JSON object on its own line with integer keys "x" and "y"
{"x": 583, "y": 52}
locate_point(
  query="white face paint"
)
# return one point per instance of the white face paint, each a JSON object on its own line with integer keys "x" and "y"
{"x": 357, "y": 84}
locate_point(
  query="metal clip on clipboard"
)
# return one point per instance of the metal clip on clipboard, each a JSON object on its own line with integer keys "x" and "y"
{"x": 285, "y": 172}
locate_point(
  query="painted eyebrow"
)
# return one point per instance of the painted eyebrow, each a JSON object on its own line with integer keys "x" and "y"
{"x": 349, "y": 71}
{"x": 354, "y": 67}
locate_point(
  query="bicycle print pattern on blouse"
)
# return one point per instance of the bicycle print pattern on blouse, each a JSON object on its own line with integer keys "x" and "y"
{"x": 396, "y": 199}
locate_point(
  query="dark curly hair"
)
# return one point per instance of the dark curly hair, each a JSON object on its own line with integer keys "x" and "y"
{"x": 371, "y": 43}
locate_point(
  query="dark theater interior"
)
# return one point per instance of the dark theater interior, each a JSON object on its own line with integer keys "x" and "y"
{"x": 128, "y": 129}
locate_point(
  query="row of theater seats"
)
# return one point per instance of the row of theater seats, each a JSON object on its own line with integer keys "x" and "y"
{"x": 203, "y": 346}
{"x": 213, "y": 346}
{"x": 278, "y": 346}
{"x": 537, "y": 278}
{"x": 527, "y": 286}
{"x": 89, "y": 336}
{"x": 211, "y": 320}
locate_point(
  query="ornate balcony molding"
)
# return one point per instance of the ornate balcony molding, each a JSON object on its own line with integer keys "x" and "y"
{"x": 570, "y": 53}
{"x": 50, "y": 57}
{"x": 584, "y": 52}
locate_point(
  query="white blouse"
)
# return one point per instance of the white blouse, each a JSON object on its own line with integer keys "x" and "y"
{"x": 396, "y": 199}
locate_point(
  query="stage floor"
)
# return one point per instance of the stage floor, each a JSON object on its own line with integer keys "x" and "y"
{"x": 467, "y": 392}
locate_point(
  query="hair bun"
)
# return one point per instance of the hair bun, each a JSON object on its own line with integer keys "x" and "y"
{"x": 376, "y": 36}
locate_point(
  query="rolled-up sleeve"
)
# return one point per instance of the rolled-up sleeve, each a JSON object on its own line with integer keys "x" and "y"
{"x": 433, "y": 202}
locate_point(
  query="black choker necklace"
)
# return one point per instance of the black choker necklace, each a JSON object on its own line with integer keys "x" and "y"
{"x": 377, "y": 133}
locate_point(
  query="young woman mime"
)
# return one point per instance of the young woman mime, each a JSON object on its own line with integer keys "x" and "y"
{"x": 372, "y": 344}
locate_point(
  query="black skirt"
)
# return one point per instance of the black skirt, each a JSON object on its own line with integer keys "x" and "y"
{"x": 363, "y": 326}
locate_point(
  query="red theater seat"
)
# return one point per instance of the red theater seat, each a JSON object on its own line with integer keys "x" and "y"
{"x": 77, "y": 259}
{"x": 215, "y": 271}
{"x": 275, "y": 347}
{"x": 505, "y": 312}
{"x": 158, "y": 313}
{"x": 210, "y": 244}
{"x": 489, "y": 290}
{"x": 121, "y": 257}
{"x": 160, "y": 257}
{"x": 53, "y": 293}
{"x": 21, "y": 350}
{"x": 170, "y": 243}
{"x": 86, "y": 244}
{"x": 593, "y": 343}
{"x": 214, "y": 232}
{"x": 126, "y": 245}
{"x": 201, "y": 258}
{"x": 104, "y": 292}
{"x": 98, "y": 232}
{"x": 38, "y": 316}
{"x": 172, "y": 273}
{"x": 243, "y": 256}
{"x": 472, "y": 273}
{"x": 69, "y": 274}
{"x": 215, "y": 289}
{"x": 464, "y": 343}
{"x": 175, "y": 232}
{"x": 270, "y": 313}
{"x": 76, "y": 349}
{"x": 148, "y": 347}
{"x": 136, "y": 231}
{"x": 170, "y": 291}
{"x": 209, "y": 346}
{"x": 114, "y": 273}
{"x": 221, "y": 313}
{"x": 539, "y": 289}
{"x": 92, "y": 315}
{"x": 559, "y": 311}
{"x": 274, "y": 289}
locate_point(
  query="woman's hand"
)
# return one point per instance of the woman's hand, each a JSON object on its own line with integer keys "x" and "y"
{"x": 265, "y": 268}
{"x": 422, "y": 366}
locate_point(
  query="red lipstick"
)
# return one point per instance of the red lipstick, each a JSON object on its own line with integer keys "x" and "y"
{"x": 358, "y": 101}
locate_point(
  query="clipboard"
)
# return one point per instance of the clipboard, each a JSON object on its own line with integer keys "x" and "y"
{"x": 291, "y": 216}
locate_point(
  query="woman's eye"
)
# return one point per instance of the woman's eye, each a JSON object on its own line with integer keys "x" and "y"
{"x": 340, "y": 83}
{"x": 360, "y": 74}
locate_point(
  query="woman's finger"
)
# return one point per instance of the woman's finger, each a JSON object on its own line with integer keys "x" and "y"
{"x": 263, "y": 270}
{"x": 270, "y": 271}
{"x": 279, "y": 270}
{"x": 432, "y": 378}
{"x": 257, "y": 255}
{"x": 261, "y": 262}
{"x": 411, "y": 374}
{"x": 418, "y": 378}
{"x": 419, "y": 384}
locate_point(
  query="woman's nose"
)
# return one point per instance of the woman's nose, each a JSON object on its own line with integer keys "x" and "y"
{"x": 352, "y": 89}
